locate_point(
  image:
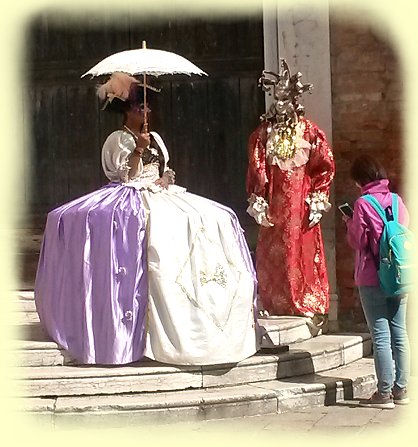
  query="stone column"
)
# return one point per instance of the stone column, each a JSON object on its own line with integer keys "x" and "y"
{"x": 300, "y": 34}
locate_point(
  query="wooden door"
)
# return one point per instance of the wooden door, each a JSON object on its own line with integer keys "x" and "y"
{"x": 205, "y": 122}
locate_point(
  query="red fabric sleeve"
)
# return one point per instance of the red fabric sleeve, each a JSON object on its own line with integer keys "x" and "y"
{"x": 257, "y": 172}
{"x": 321, "y": 163}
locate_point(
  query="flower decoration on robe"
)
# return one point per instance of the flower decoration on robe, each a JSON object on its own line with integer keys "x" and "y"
{"x": 258, "y": 209}
{"x": 318, "y": 203}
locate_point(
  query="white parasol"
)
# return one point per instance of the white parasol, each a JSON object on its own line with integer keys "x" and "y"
{"x": 145, "y": 61}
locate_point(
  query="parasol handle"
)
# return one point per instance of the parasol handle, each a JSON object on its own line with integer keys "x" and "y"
{"x": 145, "y": 105}
{"x": 145, "y": 127}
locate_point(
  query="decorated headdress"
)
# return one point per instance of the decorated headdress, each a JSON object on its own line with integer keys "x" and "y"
{"x": 284, "y": 130}
{"x": 122, "y": 91}
{"x": 286, "y": 89}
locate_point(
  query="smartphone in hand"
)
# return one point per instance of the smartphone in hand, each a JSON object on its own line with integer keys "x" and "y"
{"x": 346, "y": 209}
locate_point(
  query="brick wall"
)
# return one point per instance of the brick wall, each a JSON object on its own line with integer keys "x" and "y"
{"x": 367, "y": 106}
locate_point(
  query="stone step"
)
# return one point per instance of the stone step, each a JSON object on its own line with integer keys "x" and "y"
{"x": 23, "y": 318}
{"x": 278, "y": 331}
{"x": 24, "y": 295}
{"x": 24, "y": 305}
{"x": 311, "y": 356}
{"x": 33, "y": 340}
{"x": 272, "y": 396}
{"x": 24, "y": 300}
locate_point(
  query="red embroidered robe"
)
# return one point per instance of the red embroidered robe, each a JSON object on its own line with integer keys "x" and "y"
{"x": 290, "y": 259}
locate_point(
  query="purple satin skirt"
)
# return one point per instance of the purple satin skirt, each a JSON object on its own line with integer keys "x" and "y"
{"x": 91, "y": 287}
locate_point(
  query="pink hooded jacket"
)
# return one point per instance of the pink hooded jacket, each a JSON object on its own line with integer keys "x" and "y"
{"x": 365, "y": 228}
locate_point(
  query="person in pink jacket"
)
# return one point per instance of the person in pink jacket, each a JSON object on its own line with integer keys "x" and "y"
{"x": 385, "y": 315}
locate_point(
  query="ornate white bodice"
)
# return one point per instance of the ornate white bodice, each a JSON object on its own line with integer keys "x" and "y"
{"x": 116, "y": 151}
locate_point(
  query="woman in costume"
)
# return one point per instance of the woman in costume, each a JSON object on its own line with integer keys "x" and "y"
{"x": 141, "y": 267}
{"x": 289, "y": 174}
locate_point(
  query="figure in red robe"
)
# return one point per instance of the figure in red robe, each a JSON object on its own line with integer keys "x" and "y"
{"x": 289, "y": 174}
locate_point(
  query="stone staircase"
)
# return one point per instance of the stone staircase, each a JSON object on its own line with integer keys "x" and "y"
{"x": 299, "y": 367}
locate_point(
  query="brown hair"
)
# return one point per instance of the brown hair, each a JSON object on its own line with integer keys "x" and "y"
{"x": 366, "y": 169}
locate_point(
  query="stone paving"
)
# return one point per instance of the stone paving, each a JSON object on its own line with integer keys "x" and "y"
{"x": 342, "y": 421}
{"x": 344, "y": 418}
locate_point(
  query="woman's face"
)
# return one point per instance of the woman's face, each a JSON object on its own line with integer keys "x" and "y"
{"x": 138, "y": 112}
{"x": 141, "y": 108}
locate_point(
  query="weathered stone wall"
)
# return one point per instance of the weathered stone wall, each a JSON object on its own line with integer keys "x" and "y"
{"x": 367, "y": 118}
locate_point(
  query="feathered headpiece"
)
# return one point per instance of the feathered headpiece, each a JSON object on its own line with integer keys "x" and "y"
{"x": 122, "y": 91}
{"x": 118, "y": 85}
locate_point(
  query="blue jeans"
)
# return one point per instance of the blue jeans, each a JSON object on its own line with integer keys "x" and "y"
{"x": 386, "y": 319}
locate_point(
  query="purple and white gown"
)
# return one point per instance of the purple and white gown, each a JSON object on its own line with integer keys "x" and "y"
{"x": 134, "y": 270}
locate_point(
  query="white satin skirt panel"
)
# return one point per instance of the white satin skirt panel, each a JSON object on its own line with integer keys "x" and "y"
{"x": 201, "y": 286}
